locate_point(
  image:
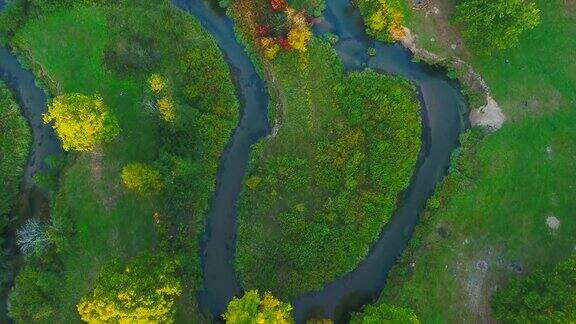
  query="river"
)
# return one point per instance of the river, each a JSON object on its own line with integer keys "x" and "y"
{"x": 444, "y": 112}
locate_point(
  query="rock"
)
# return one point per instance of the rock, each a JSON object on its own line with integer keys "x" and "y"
{"x": 489, "y": 116}
{"x": 553, "y": 222}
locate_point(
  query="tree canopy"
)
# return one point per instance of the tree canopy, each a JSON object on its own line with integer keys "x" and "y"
{"x": 542, "y": 297}
{"x": 496, "y": 24}
{"x": 81, "y": 122}
{"x": 251, "y": 308}
{"x": 143, "y": 291}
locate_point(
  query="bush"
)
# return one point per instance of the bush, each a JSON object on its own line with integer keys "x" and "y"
{"x": 142, "y": 178}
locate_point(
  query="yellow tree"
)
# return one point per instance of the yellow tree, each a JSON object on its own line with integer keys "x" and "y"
{"x": 143, "y": 291}
{"x": 298, "y": 38}
{"x": 81, "y": 122}
{"x": 252, "y": 309}
{"x": 142, "y": 178}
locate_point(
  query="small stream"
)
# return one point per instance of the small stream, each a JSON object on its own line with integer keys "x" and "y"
{"x": 33, "y": 201}
{"x": 444, "y": 111}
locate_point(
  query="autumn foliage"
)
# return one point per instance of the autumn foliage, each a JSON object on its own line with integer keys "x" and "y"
{"x": 383, "y": 18}
{"x": 142, "y": 291}
{"x": 251, "y": 308}
{"x": 81, "y": 122}
{"x": 281, "y": 27}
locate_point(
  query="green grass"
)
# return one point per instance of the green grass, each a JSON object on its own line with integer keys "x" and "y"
{"x": 495, "y": 203}
{"x": 70, "y": 49}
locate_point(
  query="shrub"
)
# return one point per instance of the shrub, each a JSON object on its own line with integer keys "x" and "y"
{"x": 142, "y": 178}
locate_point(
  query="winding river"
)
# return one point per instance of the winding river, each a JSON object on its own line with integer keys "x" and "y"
{"x": 444, "y": 112}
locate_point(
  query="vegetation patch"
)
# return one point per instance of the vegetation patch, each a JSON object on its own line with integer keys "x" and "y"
{"x": 319, "y": 192}
{"x": 15, "y": 140}
{"x": 165, "y": 83}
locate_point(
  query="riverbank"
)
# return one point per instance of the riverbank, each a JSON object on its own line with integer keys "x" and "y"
{"x": 112, "y": 50}
{"x": 488, "y": 220}
{"x": 15, "y": 142}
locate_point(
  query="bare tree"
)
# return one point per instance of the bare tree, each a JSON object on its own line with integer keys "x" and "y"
{"x": 32, "y": 238}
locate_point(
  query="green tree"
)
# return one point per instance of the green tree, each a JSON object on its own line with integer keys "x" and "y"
{"x": 542, "y": 297}
{"x": 142, "y": 178}
{"x": 142, "y": 291}
{"x": 31, "y": 300}
{"x": 251, "y": 309}
{"x": 383, "y": 314}
{"x": 81, "y": 122}
{"x": 496, "y": 24}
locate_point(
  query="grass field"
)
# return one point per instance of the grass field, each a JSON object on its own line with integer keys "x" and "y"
{"x": 491, "y": 224}
{"x": 69, "y": 49}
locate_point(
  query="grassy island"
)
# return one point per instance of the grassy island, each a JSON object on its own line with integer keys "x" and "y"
{"x": 320, "y": 190}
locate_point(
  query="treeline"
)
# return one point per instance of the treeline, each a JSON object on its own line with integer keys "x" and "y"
{"x": 15, "y": 140}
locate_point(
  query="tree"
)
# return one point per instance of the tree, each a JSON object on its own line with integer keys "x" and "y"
{"x": 385, "y": 313}
{"x": 142, "y": 178}
{"x": 80, "y": 121}
{"x": 298, "y": 38}
{"x": 496, "y": 24}
{"x": 29, "y": 301}
{"x": 545, "y": 296}
{"x": 253, "y": 309}
{"x": 32, "y": 238}
{"x": 141, "y": 291}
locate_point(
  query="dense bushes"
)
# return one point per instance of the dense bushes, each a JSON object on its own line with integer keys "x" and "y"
{"x": 15, "y": 139}
{"x": 495, "y": 25}
{"x": 544, "y": 296}
{"x": 384, "y": 19}
{"x": 309, "y": 212}
{"x": 15, "y": 142}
